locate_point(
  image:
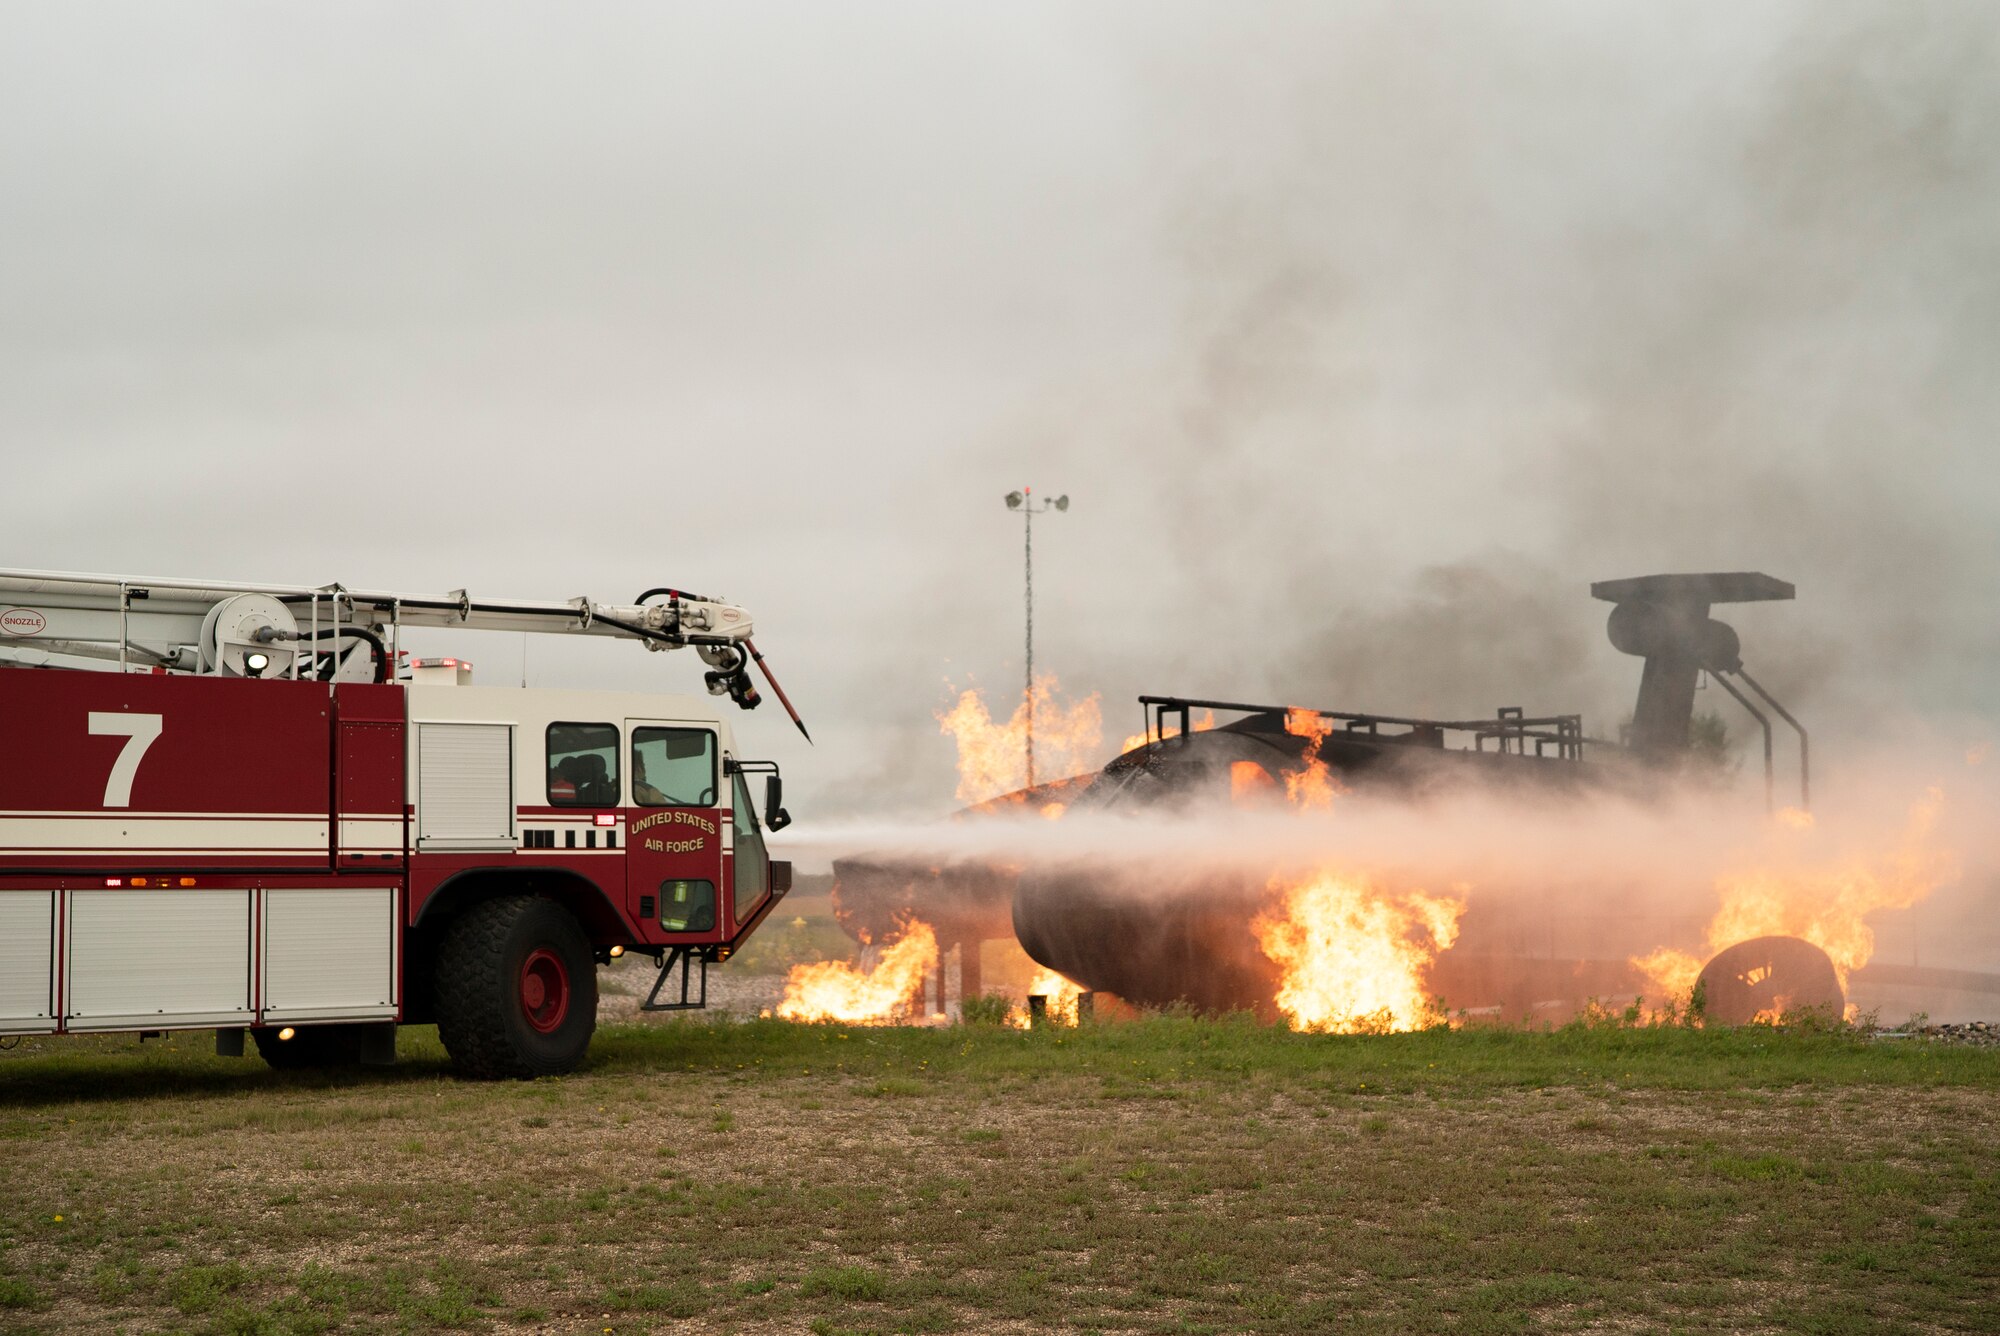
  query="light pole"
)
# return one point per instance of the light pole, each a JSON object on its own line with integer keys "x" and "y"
{"x": 1024, "y": 501}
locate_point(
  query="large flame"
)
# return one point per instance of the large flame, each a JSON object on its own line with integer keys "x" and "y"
{"x": 1312, "y": 784}
{"x": 1352, "y": 956}
{"x": 992, "y": 755}
{"x": 836, "y": 991}
{"x": 1826, "y": 904}
{"x": 1062, "y": 998}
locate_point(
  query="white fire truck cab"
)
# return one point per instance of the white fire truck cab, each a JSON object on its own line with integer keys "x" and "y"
{"x": 224, "y": 806}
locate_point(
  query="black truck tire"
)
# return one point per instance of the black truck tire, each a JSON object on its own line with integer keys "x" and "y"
{"x": 516, "y": 989}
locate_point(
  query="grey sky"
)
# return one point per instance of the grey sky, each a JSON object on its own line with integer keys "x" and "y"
{"x": 1364, "y": 336}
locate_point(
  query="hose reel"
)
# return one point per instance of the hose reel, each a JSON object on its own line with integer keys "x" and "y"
{"x": 231, "y": 645}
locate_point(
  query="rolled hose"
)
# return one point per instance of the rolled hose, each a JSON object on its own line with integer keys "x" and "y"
{"x": 677, "y": 593}
{"x": 358, "y": 633}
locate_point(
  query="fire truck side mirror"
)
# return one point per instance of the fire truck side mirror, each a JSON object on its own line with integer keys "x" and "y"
{"x": 775, "y": 815}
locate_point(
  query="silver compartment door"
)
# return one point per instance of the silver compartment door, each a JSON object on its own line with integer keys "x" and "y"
{"x": 140, "y": 959}
{"x": 465, "y": 786}
{"x": 27, "y": 961}
{"x": 330, "y": 954}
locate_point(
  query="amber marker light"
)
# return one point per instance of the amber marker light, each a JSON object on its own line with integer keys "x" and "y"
{"x": 287, "y": 1032}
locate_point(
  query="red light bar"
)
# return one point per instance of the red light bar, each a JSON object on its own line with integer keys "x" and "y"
{"x": 605, "y": 819}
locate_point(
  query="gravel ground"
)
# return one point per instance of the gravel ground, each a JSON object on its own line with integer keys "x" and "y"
{"x": 1981, "y": 1034}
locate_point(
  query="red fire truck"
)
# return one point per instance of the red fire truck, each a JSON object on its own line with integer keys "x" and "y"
{"x": 243, "y": 808}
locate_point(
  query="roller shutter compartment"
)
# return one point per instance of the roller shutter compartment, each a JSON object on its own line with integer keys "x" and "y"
{"x": 27, "y": 961}
{"x": 330, "y": 954}
{"x": 465, "y": 786}
{"x": 139, "y": 959}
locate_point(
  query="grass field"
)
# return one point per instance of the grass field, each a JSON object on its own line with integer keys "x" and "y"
{"x": 1166, "y": 1175}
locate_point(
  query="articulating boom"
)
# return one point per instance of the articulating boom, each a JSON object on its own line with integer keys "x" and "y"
{"x": 332, "y": 633}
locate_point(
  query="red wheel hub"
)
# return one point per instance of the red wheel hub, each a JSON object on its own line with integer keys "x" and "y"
{"x": 544, "y": 989}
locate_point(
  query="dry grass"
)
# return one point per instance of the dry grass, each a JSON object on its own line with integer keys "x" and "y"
{"x": 1174, "y": 1175}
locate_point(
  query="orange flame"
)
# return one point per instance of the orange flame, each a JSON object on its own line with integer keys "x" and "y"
{"x": 1826, "y": 905}
{"x": 1061, "y": 995}
{"x": 1249, "y": 783}
{"x": 1353, "y": 957}
{"x": 836, "y": 991}
{"x": 1312, "y": 785}
{"x": 1669, "y": 972}
{"x": 992, "y": 755}
{"x": 1201, "y": 725}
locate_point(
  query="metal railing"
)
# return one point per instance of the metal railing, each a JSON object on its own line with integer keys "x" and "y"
{"x": 1558, "y": 736}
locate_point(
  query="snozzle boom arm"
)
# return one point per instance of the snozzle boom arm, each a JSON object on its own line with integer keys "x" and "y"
{"x": 235, "y": 629}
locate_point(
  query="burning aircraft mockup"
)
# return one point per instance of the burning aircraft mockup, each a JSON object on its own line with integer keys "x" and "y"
{"x": 1330, "y": 950}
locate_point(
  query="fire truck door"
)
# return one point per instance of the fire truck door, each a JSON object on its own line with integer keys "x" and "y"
{"x": 369, "y": 815}
{"x": 675, "y": 831}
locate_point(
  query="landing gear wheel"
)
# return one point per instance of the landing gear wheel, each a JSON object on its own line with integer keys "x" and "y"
{"x": 1766, "y": 978}
{"x": 516, "y": 989}
{"x": 310, "y": 1047}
